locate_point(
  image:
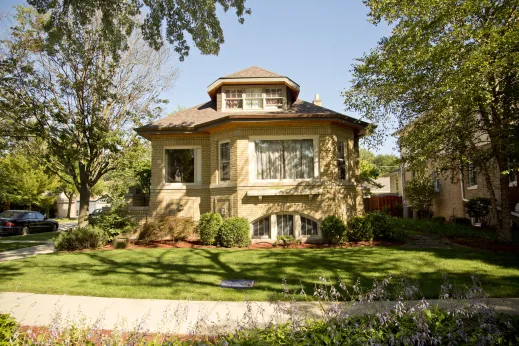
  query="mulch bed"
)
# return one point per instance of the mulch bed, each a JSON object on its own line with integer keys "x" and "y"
{"x": 195, "y": 244}
{"x": 487, "y": 245}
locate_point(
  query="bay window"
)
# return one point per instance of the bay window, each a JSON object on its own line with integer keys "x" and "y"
{"x": 225, "y": 161}
{"x": 284, "y": 159}
{"x": 285, "y": 224}
{"x": 308, "y": 227}
{"x": 261, "y": 228}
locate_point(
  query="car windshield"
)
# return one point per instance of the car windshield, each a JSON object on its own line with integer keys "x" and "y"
{"x": 11, "y": 214}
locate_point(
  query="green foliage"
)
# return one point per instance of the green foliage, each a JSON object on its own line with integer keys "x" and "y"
{"x": 287, "y": 240}
{"x": 386, "y": 163}
{"x": 113, "y": 221}
{"x": 8, "y": 328}
{"x": 479, "y": 208}
{"x": 453, "y": 96}
{"x": 175, "y": 19}
{"x": 463, "y": 221}
{"x": 208, "y": 227}
{"x": 420, "y": 193}
{"x": 81, "y": 238}
{"x": 167, "y": 228}
{"x": 25, "y": 182}
{"x": 448, "y": 230}
{"x": 234, "y": 231}
{"x": 333, "y": 230}
{"x": 359, "y": 229}
{"x": 438, "y": 219}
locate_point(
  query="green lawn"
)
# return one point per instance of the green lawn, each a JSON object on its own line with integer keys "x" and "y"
{"x": 36, "y": 236}
{"x": 195, "y": 273}
{"x": 14, "y": 246}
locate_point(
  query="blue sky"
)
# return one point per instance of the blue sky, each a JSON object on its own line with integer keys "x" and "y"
{"x": 312, "y": 42}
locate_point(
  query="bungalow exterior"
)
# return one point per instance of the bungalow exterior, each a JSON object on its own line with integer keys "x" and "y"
{"x": 256, "y": 151}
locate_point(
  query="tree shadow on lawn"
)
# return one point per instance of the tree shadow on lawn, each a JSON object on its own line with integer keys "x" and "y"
{"x": 196, "y": 273}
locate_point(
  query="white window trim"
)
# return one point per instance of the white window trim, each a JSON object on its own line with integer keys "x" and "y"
{"x": 252, "y": 157}
{"x": 472, "y": 187}
{"x": 243, "y": 88}
{"x": 198, "y": 164}
{"x": 220, "y": 160}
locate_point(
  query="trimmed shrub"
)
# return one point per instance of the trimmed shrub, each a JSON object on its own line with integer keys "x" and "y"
{"x": 114, "y": 221}
{"x": 234, "y": 231}
{"x": 360, "y": 229}
{"x": 81, "y": 238}
{"x": 451, "y": 230}
{"x": 208, "y": 227}
{"x": 462, "y": 221}
{"x": 438, "y": 219}
{"x": 334, "y": 230}
{"x": 167, "y": 228}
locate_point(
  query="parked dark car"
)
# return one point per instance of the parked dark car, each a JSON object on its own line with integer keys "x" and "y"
{"x": 24, "y": 222}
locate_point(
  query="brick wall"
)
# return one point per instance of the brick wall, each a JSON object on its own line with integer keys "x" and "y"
{"x": 342, "y": 198}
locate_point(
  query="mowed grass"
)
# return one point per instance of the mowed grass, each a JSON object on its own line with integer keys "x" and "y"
{"x": 14, "y": 246}
{"x": 36, "y": 236}
{"x": 195, "y": 273}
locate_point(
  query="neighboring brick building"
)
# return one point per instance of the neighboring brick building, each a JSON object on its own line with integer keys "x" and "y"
{"x": 255, "y": 150}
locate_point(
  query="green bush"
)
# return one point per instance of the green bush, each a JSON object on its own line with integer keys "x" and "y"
{"x": 167, "y": 228}
{"x": 479, "y": 208}
{"x": 334, "y": 230}
{"x": 465, "y": 221}
{"x": 286, "y": 240}
{"x": 360, "y": 229}
{"x": 234, "y": 231}
{"x": 81, "y": 238}
{"x": 114, "y": 221}
{"x": 8, "y": 328}
{"x": 208, "y": 227}
{"x": 438, "y": 219}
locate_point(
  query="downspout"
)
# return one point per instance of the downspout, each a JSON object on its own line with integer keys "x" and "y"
{"x": 462, "y": 188}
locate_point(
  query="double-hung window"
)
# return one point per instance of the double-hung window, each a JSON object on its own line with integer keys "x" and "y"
{"x": 341, "y": 159}
{"x": 284, "y": 159}
{"x": 473, "y": 175}
{"x": 254, "y": 98}
{"x": 225, "y": 161}
{"x": 182, "y": 165}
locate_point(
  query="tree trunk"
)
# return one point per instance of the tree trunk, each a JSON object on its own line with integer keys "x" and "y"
{"x": 504, "y": 230}
{"x": 69, "y": 205}
{"x": 84, "y": 200}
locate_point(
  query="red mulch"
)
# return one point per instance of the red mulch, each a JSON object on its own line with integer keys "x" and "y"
{"x": 195, "y": 244}
{"x": 487, "y": 245}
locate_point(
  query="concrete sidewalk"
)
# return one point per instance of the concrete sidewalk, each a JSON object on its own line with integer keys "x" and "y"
{"x": 26, "y": 251}
{"x": 175, "y": 316}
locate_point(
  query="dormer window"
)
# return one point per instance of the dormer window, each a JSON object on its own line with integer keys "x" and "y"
{"x": 254, "y": 98}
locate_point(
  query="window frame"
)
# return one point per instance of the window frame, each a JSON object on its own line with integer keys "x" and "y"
{"x": 263, "y": 98}
{"x": 197, "y": 160}
{"x": 317, "y": 230}
{"x": 220, "y": 180}
{"x": 253, "y": 164}
{"x": 344, "y": 159}
{"x": 472, "y": 173}
{"x": 512, "y": 172}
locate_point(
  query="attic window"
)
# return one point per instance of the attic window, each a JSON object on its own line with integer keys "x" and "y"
{"x": 271, "y": 98}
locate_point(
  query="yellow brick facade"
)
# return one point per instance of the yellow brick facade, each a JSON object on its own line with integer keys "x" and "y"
{"x": 329, "y": 195}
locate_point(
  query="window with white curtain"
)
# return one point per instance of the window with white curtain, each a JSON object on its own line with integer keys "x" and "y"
{"x": 254, "y": 98}
{"x": 308, "y": 227}
{"x": 261, "y": 228}
{"x": 285, "y": 224}
{"x": 284, "y": 159}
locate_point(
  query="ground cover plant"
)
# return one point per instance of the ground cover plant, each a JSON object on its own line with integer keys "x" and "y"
{"x": 462, "y": 315}
{"x": 196, "y": 273}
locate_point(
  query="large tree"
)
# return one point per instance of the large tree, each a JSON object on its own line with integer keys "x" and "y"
{"x": 196, "y": 18}
{"x": 77, "y": 98}
{"x": 448, "y": 73}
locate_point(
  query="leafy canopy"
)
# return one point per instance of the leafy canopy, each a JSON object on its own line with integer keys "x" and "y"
{"x": 169, "y": 20}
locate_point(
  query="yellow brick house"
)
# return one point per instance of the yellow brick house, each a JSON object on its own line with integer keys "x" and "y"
{"x": 256, "y": 151}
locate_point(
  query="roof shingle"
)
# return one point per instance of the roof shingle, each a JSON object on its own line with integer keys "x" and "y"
{"x": 204, "y": 114}
{"x": 252, "y": 72}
